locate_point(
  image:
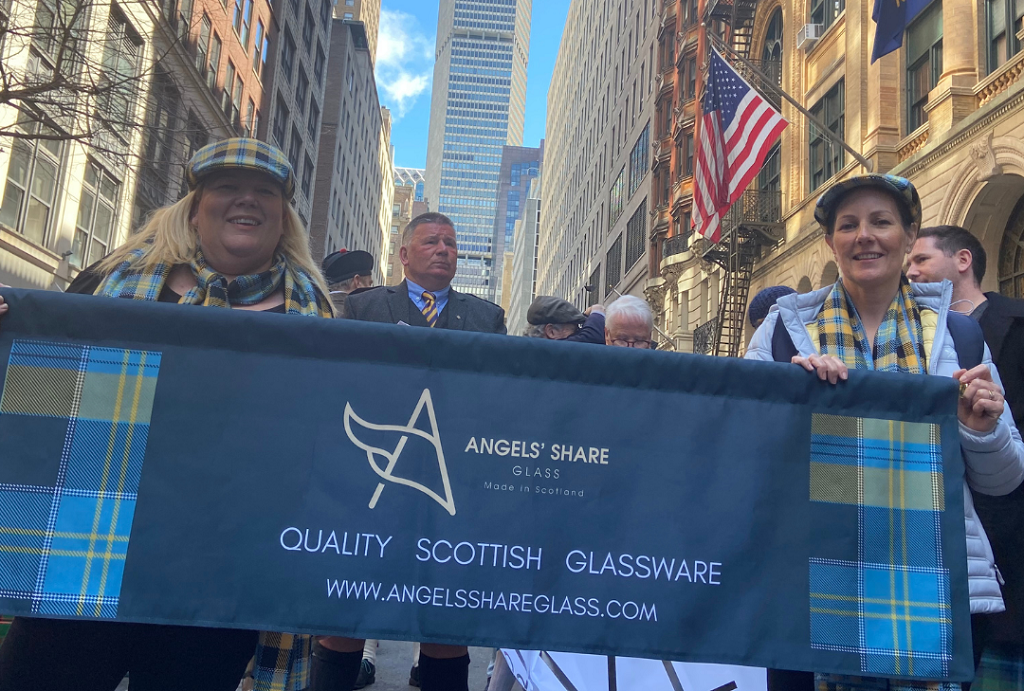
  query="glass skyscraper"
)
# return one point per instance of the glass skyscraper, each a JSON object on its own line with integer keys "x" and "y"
{"x": 477, "y": 107}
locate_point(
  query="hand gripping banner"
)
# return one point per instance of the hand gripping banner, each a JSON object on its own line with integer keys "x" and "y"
{"x": 214, "y": 468}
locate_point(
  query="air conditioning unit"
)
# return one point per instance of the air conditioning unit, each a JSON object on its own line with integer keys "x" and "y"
{"x": 808, "y": 36}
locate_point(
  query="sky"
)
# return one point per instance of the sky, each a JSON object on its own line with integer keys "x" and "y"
{"x": 405, "y": 69}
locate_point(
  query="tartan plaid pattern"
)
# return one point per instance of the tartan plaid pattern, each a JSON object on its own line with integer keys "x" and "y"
{"x": 282, "y": 662}
{"x": 301, "y": 296}
{"x": 1001, "y": 669}
{"x": 5, "y": 626}
{"x": 63, "y": 545}
{"x": 242, "y": 152}
{"x": 890, "y": 602}
{"x": 899, "y": 343}
{"x": 835, "y": 683}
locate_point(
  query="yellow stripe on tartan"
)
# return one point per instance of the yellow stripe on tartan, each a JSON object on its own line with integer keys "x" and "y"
{"x": 875, "y": 615}
{"x": 906, "y": 576}
{"x": 112, "y": 439}
{"x": 878, "y": 601}
{"x": 27, "y": 532}
{"x": 125, "y": 460}
{"x": 892, "y": 557}
{"x": 38, "y": 551}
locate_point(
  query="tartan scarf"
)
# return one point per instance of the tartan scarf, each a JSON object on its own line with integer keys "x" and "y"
{"x": 301, "y": 295}
{"x": 899, "y": 343}
{"x": 282, "y": 659}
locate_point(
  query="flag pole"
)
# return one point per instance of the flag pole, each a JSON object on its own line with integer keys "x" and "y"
{"x": 770, "y": 84}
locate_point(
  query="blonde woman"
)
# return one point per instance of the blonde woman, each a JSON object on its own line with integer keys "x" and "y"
{"x": 233, "y": 241}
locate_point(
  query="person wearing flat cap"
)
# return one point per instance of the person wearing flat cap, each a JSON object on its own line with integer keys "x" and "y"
{"x": 233, "y": 242}
{"x": 347, "y": 273}
{"x": 873, "y": 318}
{"x": 556, "y": 319}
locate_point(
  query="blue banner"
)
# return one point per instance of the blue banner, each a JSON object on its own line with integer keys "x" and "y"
{"x": 229, "y": 468}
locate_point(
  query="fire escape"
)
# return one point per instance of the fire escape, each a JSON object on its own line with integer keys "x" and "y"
{"x": 754, "y": 221}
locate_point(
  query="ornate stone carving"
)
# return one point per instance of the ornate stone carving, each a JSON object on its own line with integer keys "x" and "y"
{"x": 985, "y": 158}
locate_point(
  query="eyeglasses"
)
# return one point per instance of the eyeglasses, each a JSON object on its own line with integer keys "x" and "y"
{"x": 643, "y": 345}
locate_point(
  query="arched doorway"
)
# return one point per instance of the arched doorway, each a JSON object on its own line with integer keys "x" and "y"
{"x": 804, "y": 286}
{"x": 1011, "y": 254}
{"x": 829, "y": 274}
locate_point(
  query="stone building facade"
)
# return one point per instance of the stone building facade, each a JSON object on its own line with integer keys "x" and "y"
{"x": 945, "y": 110}
{"x": 596, "y": 187}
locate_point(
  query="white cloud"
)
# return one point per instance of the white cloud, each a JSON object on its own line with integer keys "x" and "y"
{"x": 405, "y": 61}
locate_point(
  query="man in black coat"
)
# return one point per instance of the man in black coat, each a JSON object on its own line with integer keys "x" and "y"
{"x": 429, "y": 253}
{"x": 953, "y": 253}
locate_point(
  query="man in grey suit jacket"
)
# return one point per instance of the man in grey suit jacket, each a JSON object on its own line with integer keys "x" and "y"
{"x": 429, "y": 254}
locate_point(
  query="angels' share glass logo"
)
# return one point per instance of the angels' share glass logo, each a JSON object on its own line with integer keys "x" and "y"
{"x": 385, "y": 462}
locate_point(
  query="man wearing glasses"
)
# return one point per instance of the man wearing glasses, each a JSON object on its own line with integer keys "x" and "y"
{"x": 628, "y": 323}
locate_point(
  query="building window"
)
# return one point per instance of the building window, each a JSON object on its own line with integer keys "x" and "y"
{"x": 391, "y": 248}
{"x": 287, "y": 55}
{"x": 348, "y": 15}
{"x": 211, "y": 75}
{"x": 158, "y": 163}
{"x": 246, "y": 23}
{"x": 229, "y": 86}
{"x": 184, "y": 19}
{"x": 325, "y": 14}
{"x": 618, "y": 200}
{"x": 301, "y": 91}
{"x": 236, "y": 18}
{"x": 394, "y": 230}
{"x": 307, "y": 176}
{"x": 280, "y": 120}
{"x": 120, "y": 67}
{"x": 259, "y": 49}
{"x": 638, "y": 160}
{"x": 295, "y": 150}
{"x": 314, "y": 120}
{"x": 1004, "y": 23}
{"x": 924, "y": 62}
{"x": 613, "y": 265}
{"x": 236, "y": 104}
{"x": 255, "y": 125}
{"x": 308, "y": 27}
{"x": 31, "y": 186}
{"x": 250, "y": 114}
{"x": 390, "y": 267}
{"x": 95, "y": 224}
{"x": 636, "y": 234}
{"x": 203, "y": 46}
{"x": 688, "y": 154}
{"x": 771, "y": 54}
{"x": 826, "y": 156}
{"x": 690, "y": 79}
{"x": 318, "y": 64}
{"x": 825, "y": 12}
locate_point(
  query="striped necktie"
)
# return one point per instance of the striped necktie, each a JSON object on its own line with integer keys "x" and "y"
{"x": 430, "y": 308}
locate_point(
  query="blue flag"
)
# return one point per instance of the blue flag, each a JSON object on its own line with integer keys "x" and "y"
{"x": 891, "y": 19}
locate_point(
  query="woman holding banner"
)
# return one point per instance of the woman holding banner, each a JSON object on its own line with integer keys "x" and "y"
{"x": 872, "y": 318}
{"x": 234, "y": 241}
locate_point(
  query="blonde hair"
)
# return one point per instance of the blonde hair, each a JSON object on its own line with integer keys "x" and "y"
{"x": 168, "y": 238}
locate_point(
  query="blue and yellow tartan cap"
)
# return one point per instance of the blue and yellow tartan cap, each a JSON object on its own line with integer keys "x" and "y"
{"x": 900, "y": 188}
{"x": 242, "y": 152}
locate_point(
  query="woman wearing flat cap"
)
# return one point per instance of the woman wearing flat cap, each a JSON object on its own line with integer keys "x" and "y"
{"x": 872, "y": 318}
{"x": 235, "y": 242}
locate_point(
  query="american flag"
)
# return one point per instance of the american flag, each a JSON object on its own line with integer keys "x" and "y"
{"x": 737, "y": 129}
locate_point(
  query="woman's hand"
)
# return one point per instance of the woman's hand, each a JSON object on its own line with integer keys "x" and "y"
{"x": 3, "y": 305}
{"x": 827, "y": 367}
{"x": 981, "y": 399}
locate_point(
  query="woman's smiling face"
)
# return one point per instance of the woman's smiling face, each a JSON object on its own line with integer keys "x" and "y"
{"x": 869, "y": 239}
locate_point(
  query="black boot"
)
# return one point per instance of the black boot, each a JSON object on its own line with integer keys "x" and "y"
{"x": 449, "y": 674}
{"x": 333, "y": 671}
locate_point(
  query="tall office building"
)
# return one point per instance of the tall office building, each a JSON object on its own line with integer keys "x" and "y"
{"x": 477, "y": 107}
{"x": 597, "y": 183}
{"x": 367, "y": 12}
{"x": 523, "y": 289}
{"x": 519, "y": 166}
